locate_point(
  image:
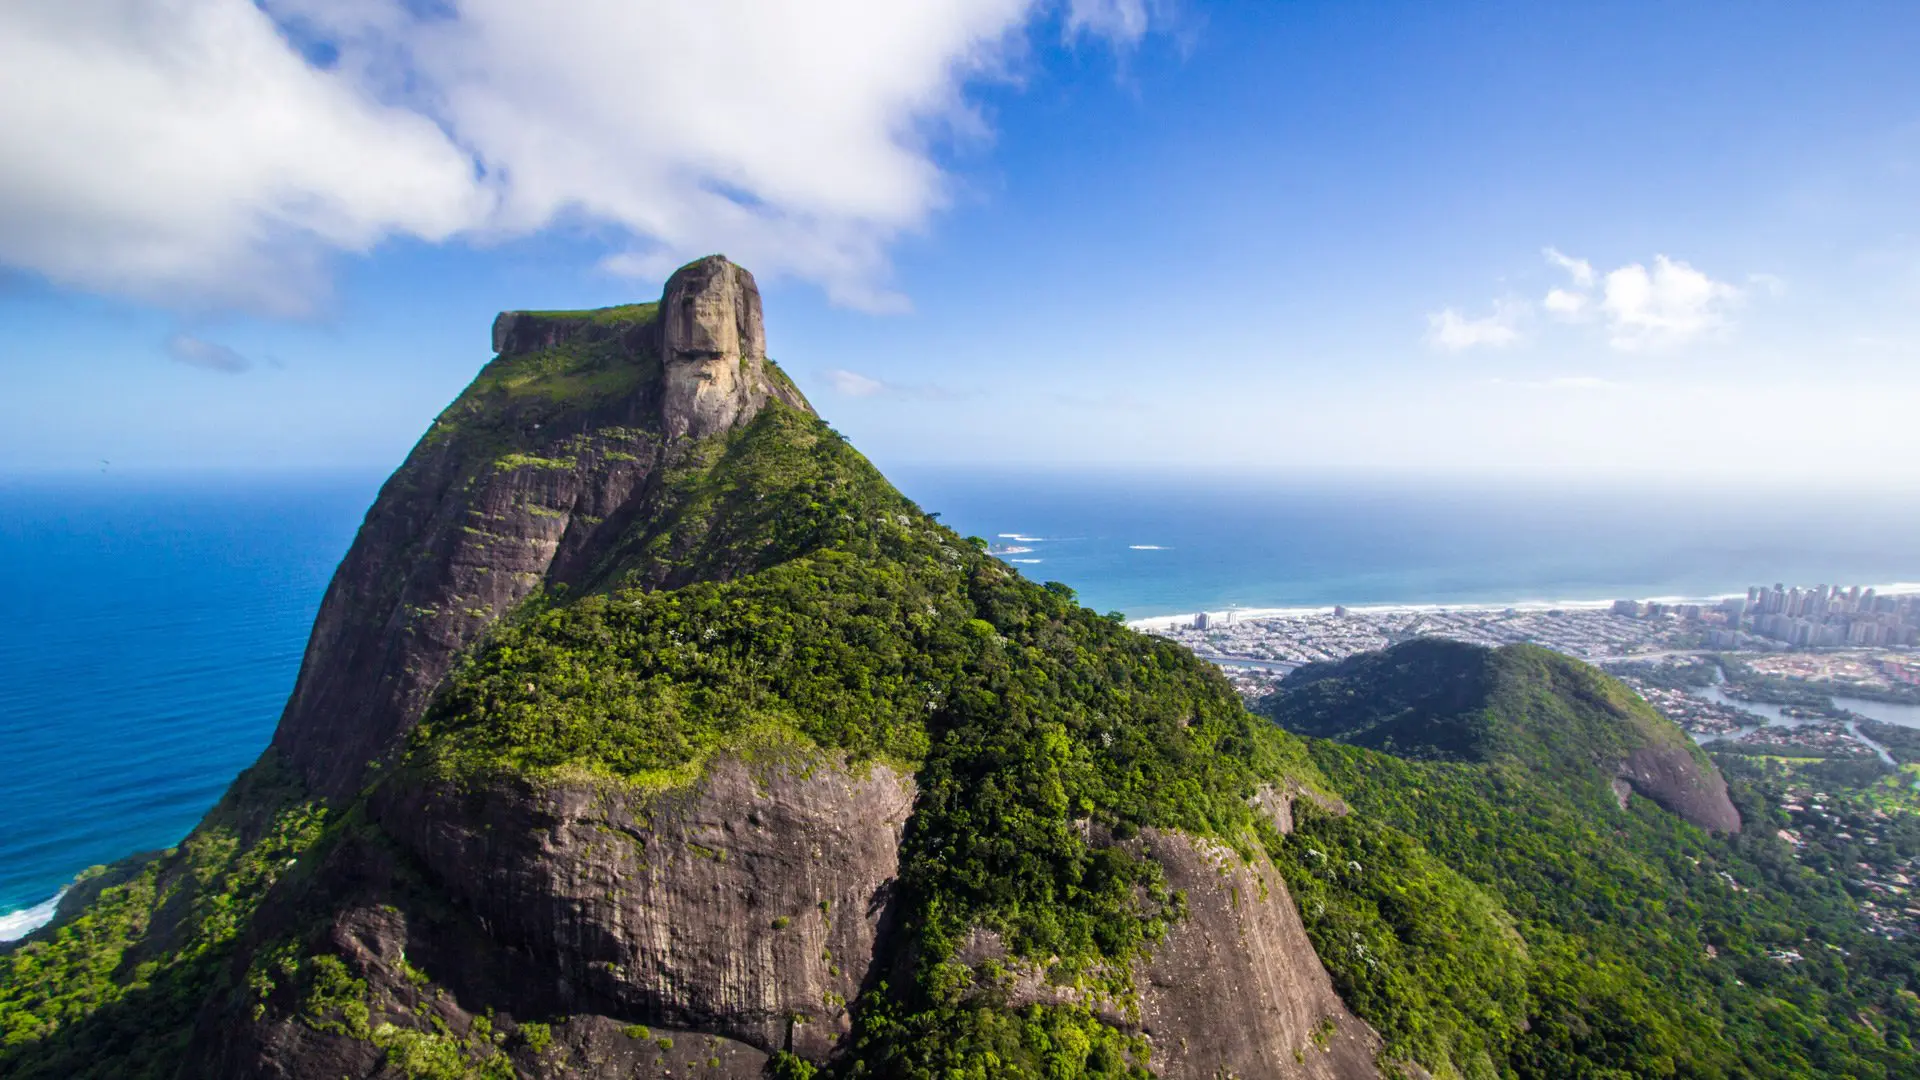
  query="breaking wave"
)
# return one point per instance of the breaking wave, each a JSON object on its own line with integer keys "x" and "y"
{"x": 15, "y": 925}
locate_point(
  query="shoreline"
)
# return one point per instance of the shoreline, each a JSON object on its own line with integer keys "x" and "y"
{"x": 1256, "y": 614}
{"x": 20, "y": 922}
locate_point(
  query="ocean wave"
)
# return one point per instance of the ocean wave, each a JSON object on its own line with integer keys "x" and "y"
{"x": 1024, "y": 560}
{"x": 15, "y": 925}
{"x": 1012, "y": 549}
{"x": 1020, "y": 537}
{"x": 1148, "y": 547}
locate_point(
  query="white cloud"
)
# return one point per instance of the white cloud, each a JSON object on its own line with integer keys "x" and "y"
{"x": 186, "y": 151}
{"x": 1451, "y": 331}
{"x": 1668, "y": 305}
{"x": 1671, "y": 304}
{"x": 178, "y": 149}
{"x": 854, "y": 384}
{"x": 207, "y": 355}
{"x": 1571, "y": 306}
{"x": 1579, "y": 269}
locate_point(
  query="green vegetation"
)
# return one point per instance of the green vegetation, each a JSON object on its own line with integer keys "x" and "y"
{"x": 620, "y": 315}
{"x": 1430, "y": 959}
{"x": 1640, "y": 945}
{"x": 1487, "y": 905}
{"x": 520, "y": 392}
{"x": 1902, "y": 743}
{"x": 831, "y": 616}
{"x": 1432, "y": 699}
{"x": 92, "y": 997}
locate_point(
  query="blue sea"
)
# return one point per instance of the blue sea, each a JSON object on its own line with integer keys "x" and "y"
{"x": 154, "y": 626}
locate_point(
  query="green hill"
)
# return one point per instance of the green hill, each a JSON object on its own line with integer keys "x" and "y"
{"x": 1642, "y": 945}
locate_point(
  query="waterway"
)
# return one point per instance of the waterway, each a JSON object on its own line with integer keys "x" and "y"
{"x": 1886, "y": 712}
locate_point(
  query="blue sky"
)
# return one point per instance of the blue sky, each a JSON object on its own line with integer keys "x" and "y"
{"x": 1644, "y": 240}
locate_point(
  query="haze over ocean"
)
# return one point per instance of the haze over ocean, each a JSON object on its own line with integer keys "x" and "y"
{"x": 154, "y": 626}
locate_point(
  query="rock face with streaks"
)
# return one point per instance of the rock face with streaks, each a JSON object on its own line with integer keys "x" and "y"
{"x": 749, "y": 905}
{"x": 1676, "y": 778}
{"x": 1241, "y": 930}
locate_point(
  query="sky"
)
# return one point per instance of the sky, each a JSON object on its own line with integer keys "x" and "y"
{"x": 1662, "y": 240}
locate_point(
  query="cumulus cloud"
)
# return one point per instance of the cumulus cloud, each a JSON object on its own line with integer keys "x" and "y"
{"x": 1451, "y": 331}
{"x": 206, "y": 355}
{"x": 1123, "y": 22}
{"x": 197, "y": 152}
{"x": 1670, "y": 304}
{"x": 180, "y": 150}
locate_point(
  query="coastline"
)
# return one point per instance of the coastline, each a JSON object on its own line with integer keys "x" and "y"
{"x": 1252, "y": 614}
{"x": 15, "y": 925}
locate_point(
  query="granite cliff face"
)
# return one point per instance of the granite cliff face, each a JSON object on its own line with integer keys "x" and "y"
{"x": 736, "y": 907}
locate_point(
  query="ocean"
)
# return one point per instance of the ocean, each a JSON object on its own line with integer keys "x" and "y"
{"x": 154, "y": 626}
{"x": 152, "y": 631}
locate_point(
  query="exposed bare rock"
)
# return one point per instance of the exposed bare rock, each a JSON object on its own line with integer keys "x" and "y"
{"x": 1276, "y": 804}
{"x": 748, "y": 906}
{"x": 1236, "y": 988}
{"x": 432, "y": 976}
{"x": 714, "y": 346}
{"x": 1622, "y": 791}
{"x": 1674, "y": 778}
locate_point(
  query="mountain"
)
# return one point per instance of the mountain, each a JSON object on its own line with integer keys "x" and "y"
{"x": 646, "y": 730}
{"x": 1431, "y": 699}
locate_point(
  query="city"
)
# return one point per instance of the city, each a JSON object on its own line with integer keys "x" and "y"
{"x": 1861, "y": 638}
{"x": 1786, "y": 685}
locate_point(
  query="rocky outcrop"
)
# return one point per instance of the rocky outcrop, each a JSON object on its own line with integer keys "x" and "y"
{"x": 1236, "y": 989}
{"x": 749, "y": 905}
{"x": 1673, "y": 778}
{"x": 438, "y": 988}
{"x": 527, "y": 481}
{"x": 714, "y": 348}
{"x": 1275, "y": 803}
